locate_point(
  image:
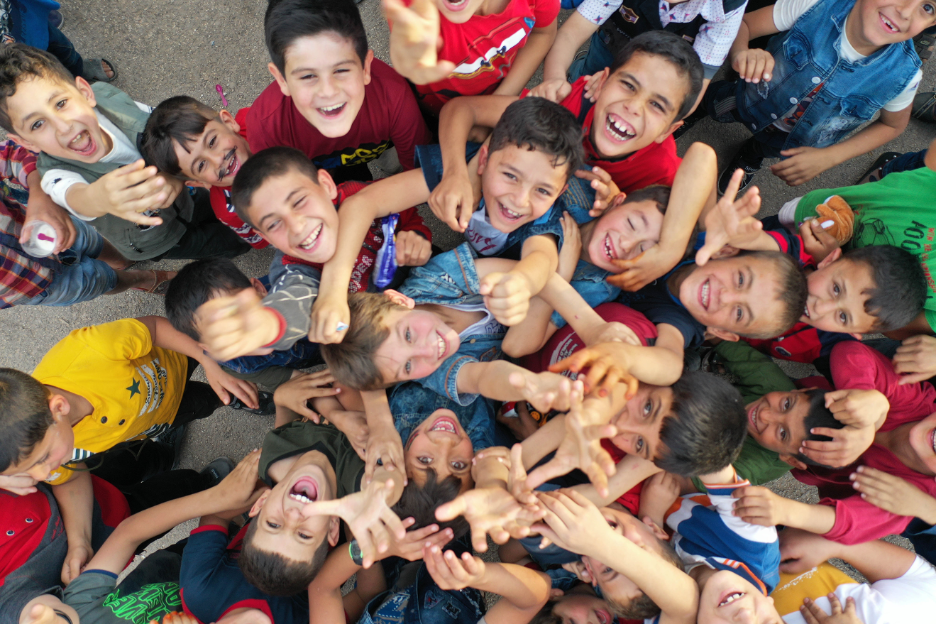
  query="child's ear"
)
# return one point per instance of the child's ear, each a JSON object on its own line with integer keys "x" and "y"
{"x": 724, "y": 334}
{"x": 258, "y": 286}
{"x": 334, "y": 531}
{"x": 832, "y": 257}
{"x": 483, "y": 154}
{"x": 278, "y": 77}
{"x": 656, "y": 528}
{"x": 228, "y": 120}
{"x": 793, "y": 461}
{"x": 368, "y": 59}
{"x": 399, "y": 298}
{"x": 32, "y": 147}
{"x": 84, "y": 88}
{"x": 328, "y": 183}
{"x": 671, "y": 130}
{"x": 258, "y": 505}
{"x": 60, "y": 407}
{"x": 602, "y": 81}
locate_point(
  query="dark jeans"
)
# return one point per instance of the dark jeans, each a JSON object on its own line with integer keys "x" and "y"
{"x": 205, "y": 236}
{"x": 719, "y": 104}
{"x": 64, "y": 50}
{"x": 905, "y": 162}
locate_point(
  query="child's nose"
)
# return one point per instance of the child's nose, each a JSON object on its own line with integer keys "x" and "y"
{"x": 327, "y": 86}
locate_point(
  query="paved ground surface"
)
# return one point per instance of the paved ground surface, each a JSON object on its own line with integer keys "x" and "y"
{"x": 171, "y": 47}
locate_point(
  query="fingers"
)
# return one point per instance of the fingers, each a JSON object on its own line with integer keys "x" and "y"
{"x": 452, "y": 509}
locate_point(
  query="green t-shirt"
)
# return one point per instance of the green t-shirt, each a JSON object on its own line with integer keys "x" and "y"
{"x": 97, "y": 599}
{"x": 898, "y": 210}
{"x": 302, "y": 436}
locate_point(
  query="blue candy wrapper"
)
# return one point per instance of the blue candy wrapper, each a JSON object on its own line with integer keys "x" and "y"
{"x": 386, "y": 256}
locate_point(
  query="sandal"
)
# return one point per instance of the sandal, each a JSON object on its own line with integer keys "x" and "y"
{"x": 924, "y": 106}
{"x": 873, "y": 174}
{"x": 161, "y": 285}
{"x": 94, "y": 70}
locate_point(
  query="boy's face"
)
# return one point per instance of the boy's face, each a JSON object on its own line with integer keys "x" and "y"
{"x": 776, "y": 421}
{"x": 418, "y": 342}
{"x": 325, "y": 78}
{"x": 837, "y": 295}
{"x": 883, "y": 22}
{"x": 728, "y": 598}
{"x": 458, "y": 11}
{"x": 639, "y": 423}
{"x": 214, "y": 157}
{"x": 283, "y": 525}
{"x": 614, "y": 586}
{"x": 57, "y": 118}
{"x": 296, "y": 214}
{"x": 923, "y": 442}
{"x": 582, "y": 606}
{"x": 439, "y": 443}
{"x": 47, "y": 456}
{"x": 733, "y": 296}
{"x": 518, "y": 185}
{"x": 637, "y": 106}
{"x": 623, "y": 233}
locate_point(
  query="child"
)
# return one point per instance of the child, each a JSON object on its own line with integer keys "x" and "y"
{"x": 331, "y": 98}
{"x": 298, "y": 216}
{"x": 90, "y": 164}
{"x": 188, "y": 140}
{"x": 534, "y": 150}
{"x": 85, "y": 265}
{"x": 449, "y": 50}
{"x": 861, "y": 60}
{"x": 711, "y": 27}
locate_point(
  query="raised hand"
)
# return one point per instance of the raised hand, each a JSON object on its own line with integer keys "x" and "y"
{"x": 732, "y": 221}
{"x": 412, "y": 545}
{"x": 491, "y": 511}
{"x": 415, "y": 41}
{"x": 330, "y": 318}
{"x": 893, "y": 494}
{"x": 606, "y": 366}
{"x": 813, "y": 614}
{"x": 234, "y": 326}
{"x": 572, "y": 522}
{"x": 758, "y": 505}
{"x": 240, "y": 489}
{"x": 606, "y": 191}
{"x": 450, "y": 572}
{"x": 507, "y": 296}
{"x": 544, "y": 391}
{"x": 298, "y": 391}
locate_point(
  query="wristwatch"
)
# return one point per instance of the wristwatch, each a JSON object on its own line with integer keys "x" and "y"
{"x": 355, "y": 551}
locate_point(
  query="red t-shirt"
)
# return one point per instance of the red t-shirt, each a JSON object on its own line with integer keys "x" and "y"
{"x": 565, "y": 342}
{"x": 858, "y": 366}
{"x": 483, "y": 49}
{"x": 655, "y": 164}
{"x": 220, "y": 198}
{"x": 388, "y": 117}
{"x": 367, "y": 258}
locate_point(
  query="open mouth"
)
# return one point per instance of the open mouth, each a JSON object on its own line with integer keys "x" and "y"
{"x": 752, "y": 417}
{"x": 311, "y": 241}
{"x": 83, "y": 144}
{"x": 806, "y": 312}
{"x": 704, "y": 295}
{"x": 304, "y": 490}
{"x": 332, "y": 111}
{"x": 609, "y": 251}
{"x": 457, "y": 5}
{"x": 932, "y": 439}
{"x": 889, "y": 26}
{"x": 233, "y": 164}
{"x": 444, "y": 423}
{"x": 442, "y": 346}
{"x": 619, "y": 130}
{"x": 509, "y": 214}
{"x": 731, "y": 597}
{"x": 603, "y": 616}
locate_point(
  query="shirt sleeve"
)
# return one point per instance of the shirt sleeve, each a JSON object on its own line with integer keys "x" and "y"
{"x": 291, "y": 297}
{"x": 86, "y": 593}
{"x": 545, "y": 12}
{"x": 56, "y": 183}
{"x": 905, "y": 98}
{"x": 16, "y": 162}
{"x": 203, "y": 553}
{"x": 786, "y": 12}
{"x": 122, "y": 340}
{"x": 858, "y": 521}
{"x": 714, "y": 40}
{"x": 598, "y": 11}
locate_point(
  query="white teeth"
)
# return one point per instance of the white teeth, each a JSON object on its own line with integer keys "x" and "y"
{"x": 888, "y": 23}
{"x": 806, "y": 312}
{"x": 312, "y": 238}
{"x": 705, "y": 294}
{"x": 301, "y": 498}
{"x": 77, "y": 137}
{"x": 444, "y": 425}
{"x": 732, "y": 598}
{"x": 441, "y": 344}
{"x": 510, "y": 213}
{"x": 618, "y": 131}
{"x": 328, "y": 109}
{"x": 609, "y": 249}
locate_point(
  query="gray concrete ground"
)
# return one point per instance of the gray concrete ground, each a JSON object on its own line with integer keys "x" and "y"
{"x": 172, "y": 47}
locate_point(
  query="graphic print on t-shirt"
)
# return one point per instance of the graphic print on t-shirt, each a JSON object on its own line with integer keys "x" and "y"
{"x": 469, "y": 68}
{"x": 150, "y": 603}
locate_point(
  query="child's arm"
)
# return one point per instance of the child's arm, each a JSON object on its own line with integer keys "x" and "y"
{"x": 75, "y": 499}
{"x": 894, "y": 495}
{"x": 415, "y": 41}
{"x": 507, "y": 294}
{"x": 653, "y": 365}
{"x": 877, "y": 560}
{"x": 693, "y": 189}
{"x": 237, "y": 491}
{"x": 574, "y": 523}
{"x": 732, "y": 222}
{"x": 165, "y": 336}
{"x": 627, "y": 473}
{"x": 504, "y": 381}
{"x": 388, "y": 196}
{"x": 383, "y": 440}
{"x": 528, "y": 59}
{"x": 574, "y": 32}
{"x": 915, "y": 359}
{"x": 127, "y": 193}
{"x": 758, "y": 505}
{"x": 753, "y": 65}
{"x": 293, "y": 397}
{"x": 40, "y": 207}
{"x": 523, "y": 591}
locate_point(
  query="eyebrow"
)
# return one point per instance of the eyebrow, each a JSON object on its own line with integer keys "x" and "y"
{"x": 288, "y": 200}
{"x": 659, "y": 96}
{"x": 304, "y": 70}
{"x": 55, "y": 95}
{"x": 520, "y": 173}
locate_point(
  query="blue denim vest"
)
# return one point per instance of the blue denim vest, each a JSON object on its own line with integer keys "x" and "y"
{"x": 806, "y": 56}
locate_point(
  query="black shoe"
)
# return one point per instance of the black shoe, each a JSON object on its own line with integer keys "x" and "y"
{"x": 873, "y": 174}
{"x": 174, "y": 436}
{"x": 750, "y": 167}
{"x": 924, "y": 106}
{"x": 215, "y": 472}
{"x": 266, "y": 408}
{"x": 697, "y": 115}
{"x": 924, "y": 44}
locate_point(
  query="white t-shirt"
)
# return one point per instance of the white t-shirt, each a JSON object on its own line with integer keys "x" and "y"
{"x": 785, "y": 14}
{"x": 486, "y": 239}
{"x": 910, "y": 598}
{"x": 485, "y": 326}
{"x": 56, "y": 182}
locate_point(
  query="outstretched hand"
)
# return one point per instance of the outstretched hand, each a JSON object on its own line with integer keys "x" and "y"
{"x": 415, "y": 41}
{"x": 732, "y": 221}
{"x": 606, "y": 368}
{"x": 491, "y": 511}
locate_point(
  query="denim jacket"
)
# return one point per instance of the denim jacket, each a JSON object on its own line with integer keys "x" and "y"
{"x": 807, "y": 55}
{"x": 411, "y": 404}
{"x": 450, "y": 279}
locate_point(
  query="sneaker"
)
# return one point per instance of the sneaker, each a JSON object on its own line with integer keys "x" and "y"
{"x": 174, "y": 436}
{"x": 874, "y": 173}
{"x": 215, "y": 472}
{"x": 265, "y": 399}
{"x": 750, "y": 167}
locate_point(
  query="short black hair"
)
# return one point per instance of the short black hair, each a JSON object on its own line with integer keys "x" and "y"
{"x": 420, "y": 503}
{"x": 197, "y": 283}
{"x": 274, "y": 574}
{"x": 707, "y": 428}
{"x": 265, "y": 164}
{"x": 674, "y": 49}
{"x": 19, "y": 62}
{"x": 818, "y": 416}
{"x": 25, "y": 418}
{"x": 288, "y": 20}
{"x": 900, "y": 285}
{"x": 179, "y": 119}
{"x": 539, "y": 125}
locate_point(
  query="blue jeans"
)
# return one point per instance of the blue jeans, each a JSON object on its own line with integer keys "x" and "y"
{"x": 596, "y": 59}
{"x": 64, "y": 50}
{"x": 905, "y": 162}
{"x": 81, "y": 276}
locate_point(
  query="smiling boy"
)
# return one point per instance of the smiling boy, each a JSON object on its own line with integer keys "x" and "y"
{"x": 331, "y": 98}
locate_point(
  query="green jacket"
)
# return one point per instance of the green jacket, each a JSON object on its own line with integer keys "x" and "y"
{"x": 132, "y": 241}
